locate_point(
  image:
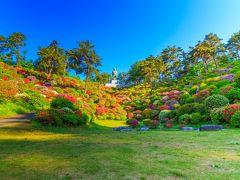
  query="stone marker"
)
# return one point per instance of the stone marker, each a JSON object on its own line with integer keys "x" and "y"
{"x": 211, "y": 127}
{"x": 144, "y": 128}
{"x": 187, "y": 128}
{"x": 122, "y": 128}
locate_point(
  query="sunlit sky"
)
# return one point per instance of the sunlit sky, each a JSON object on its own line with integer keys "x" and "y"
{"x": 123, "y": 31}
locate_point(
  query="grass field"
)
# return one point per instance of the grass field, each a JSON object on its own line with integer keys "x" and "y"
{"x": 99, "y": 153}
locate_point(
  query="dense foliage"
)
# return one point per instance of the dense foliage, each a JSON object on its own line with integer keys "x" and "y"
{"x": 173, "y": 88}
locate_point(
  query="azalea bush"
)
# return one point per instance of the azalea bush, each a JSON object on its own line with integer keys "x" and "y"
{"x": 230, "y": 110}
{"x": 8, "y": 90}
{"x": 235, "y": 119}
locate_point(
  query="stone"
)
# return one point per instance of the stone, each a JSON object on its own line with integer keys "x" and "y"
{"x": 211, "y": 127}
{"x": 187, "y": 128}
{"x": 144, "y": 128}
{"x": 122, "y": 128}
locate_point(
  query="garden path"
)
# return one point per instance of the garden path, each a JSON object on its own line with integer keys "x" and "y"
{"x": 16, "y": 119}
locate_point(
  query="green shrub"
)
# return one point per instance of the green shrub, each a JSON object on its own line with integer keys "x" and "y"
{"x": 196, "y": 118}
{"x": 193, "y": 90}
{"x": 163, "y": 115}
{"x": 61, "y": 102}
{"x": 233, "y": 94}
{"x": 72, "y": 119}
{"x": 184, "y": 98}
{"x": 185, "y": 109}
{"x": 216, "y": 115}
{"x": 235, "y": 119}
{"x": 222, "y": 83}
{"x": 200, "y": 108}
{"x": 147, "y": 122}
{"x": 185, "y": 119}
{"x": 216, "y": 101}
{"x": 237, "y": 79}
{"x": 33, "y": 100}
{"x": 172, "y": 114}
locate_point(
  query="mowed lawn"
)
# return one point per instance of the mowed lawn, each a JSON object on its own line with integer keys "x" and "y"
{"x": 99, "y": 153}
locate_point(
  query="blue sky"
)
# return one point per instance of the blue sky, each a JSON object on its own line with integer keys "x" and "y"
{"x": 123, "y": 31}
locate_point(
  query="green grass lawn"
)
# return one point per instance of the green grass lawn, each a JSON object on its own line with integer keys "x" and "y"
{"x": 99, "y": 153}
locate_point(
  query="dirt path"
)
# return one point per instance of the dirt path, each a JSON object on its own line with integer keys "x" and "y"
{"x": 16, "y": 119}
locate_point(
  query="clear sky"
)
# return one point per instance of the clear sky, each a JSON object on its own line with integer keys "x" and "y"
{"x": 123, "y": 31}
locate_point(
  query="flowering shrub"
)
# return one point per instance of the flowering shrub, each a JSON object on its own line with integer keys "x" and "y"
{"x": 8, "y": 89}
{"x": 62, "y": 102}
{"x": 130, "y": 115}
{"x": 168, "y": 125}
{"x": 235, "y": 119}
{"x": 134, "y": 123}
{"x": 202, "y": 95}
{"x": 164, "y": 107}
{"x": 5, "y": 78}
{"x": 151, "y": 123}
{"x": 60, "y": 117}
{"x": 216, "y": 115}
{"x": 68, "y": 97}
{"x": 147, "y": 113}
{"x": 230, "y": 110}
{"x": 225, "y": 89}
{"x": 229, "y": 77}
{"x": 163, "y": 115}
{"x": 32, "y": 78}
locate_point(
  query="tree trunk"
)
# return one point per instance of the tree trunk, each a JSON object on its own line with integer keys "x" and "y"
{"x": 215, "y": 62}
{"x": 50, "y": 72}
{"x": 86, "y": 81}
{"x": 205, "y": 66}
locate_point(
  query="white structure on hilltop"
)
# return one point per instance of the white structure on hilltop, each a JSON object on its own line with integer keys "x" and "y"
{"x": 114, "y": 81}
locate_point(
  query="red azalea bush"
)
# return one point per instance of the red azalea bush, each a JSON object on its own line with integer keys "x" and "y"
{"x": 168, "y": 125}
{"x": 130, "y": 115}
{"x": 200, "y": 96}
{"x": 68, "y": 97}
{"x": 225, "y": 89}
{"x": 164, "y": 107}
{"x": 26, "y": 81}
{"x": 5, "y": 78}
{"x": 230, "y": 110}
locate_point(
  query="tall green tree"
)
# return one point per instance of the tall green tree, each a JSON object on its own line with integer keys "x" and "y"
{"x": 52, "y": 59}
{"x": 217, "y": 48}
{"x": 3, "y": 41}
{"x": 84, "y": 60}
{"x": 16, "y": 41}
{"x": 151, "y": 69}
{"x": 172, "y": 58}
{"x": 11, "y": 48}
{"x": 233, "y": 45}
{"x": 135, "y": 73}
{"x": 202, "y": 52}
{"x": 102, "y": 78}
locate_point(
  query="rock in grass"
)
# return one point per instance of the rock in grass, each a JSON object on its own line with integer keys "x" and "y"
{"x": 187, "y": 128}
{"x": 122, "y": 128}
{"x": 144, "y": 128}
{"x": 211, "y": 127}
